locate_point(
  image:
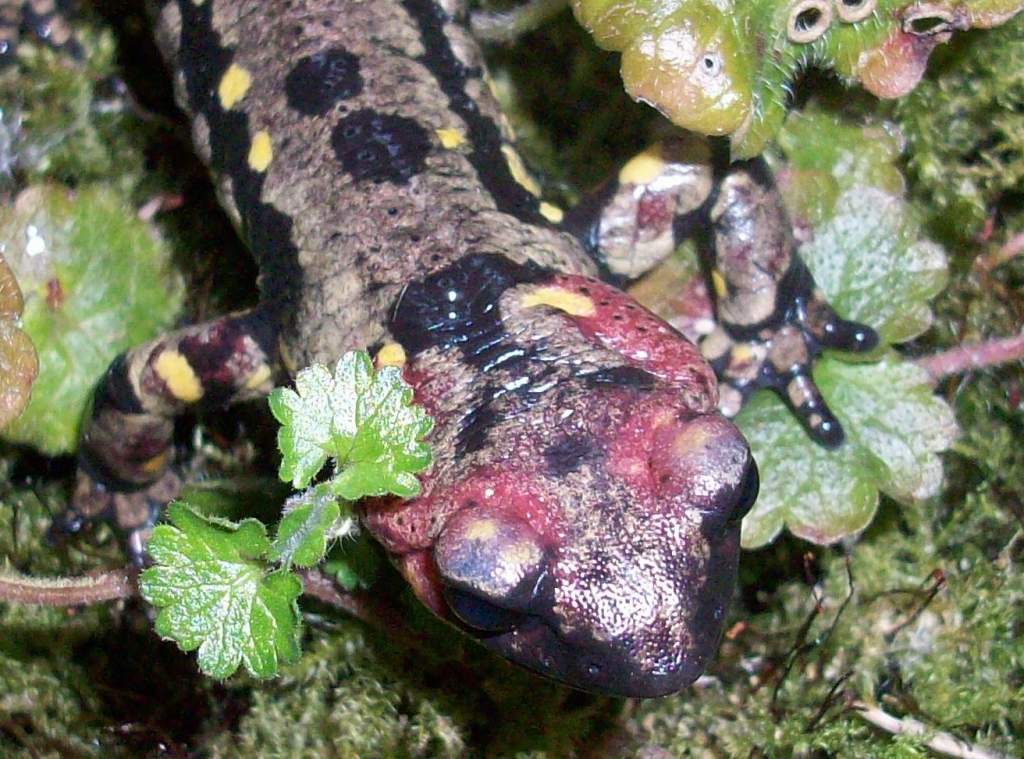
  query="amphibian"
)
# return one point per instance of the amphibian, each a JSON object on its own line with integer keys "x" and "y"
{"x": 581, "y": 516}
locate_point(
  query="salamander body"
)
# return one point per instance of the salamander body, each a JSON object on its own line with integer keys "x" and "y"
{"x": 581, "y": 515}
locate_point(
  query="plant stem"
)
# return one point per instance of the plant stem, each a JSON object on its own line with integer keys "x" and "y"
{"x": 112, "y": 585}
{"x": 936, "y": 740}
{"x": 973, "y": 356}
{"x": 359, "y": 605}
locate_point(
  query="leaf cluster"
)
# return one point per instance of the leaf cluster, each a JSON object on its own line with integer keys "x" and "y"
{"x": 226, "y": 588}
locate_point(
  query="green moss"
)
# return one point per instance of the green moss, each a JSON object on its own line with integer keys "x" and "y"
{"x": 964, "y": 131}
{"x": 68, "y": 122}
{"x": 349, "y": 703}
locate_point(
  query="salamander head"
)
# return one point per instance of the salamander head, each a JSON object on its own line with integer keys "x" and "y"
{"x": 603, "y": 555}
{"x": 628, "y": 594}
{"x": 582, "y": 514}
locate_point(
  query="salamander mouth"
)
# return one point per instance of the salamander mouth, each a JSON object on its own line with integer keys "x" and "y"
{"x": 534, "y": 636}
{"x": 531, "y": 642}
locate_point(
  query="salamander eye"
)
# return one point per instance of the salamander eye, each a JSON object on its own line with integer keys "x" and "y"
{"x": 479, "y": 613}
{"x": 746, "y": 494}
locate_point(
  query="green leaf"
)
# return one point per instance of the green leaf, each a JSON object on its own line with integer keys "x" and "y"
{"x": 362, "y": 419}
{"x": 873, "y": 266}
{"x": 305, "y": 415}
{"x": 866, "y": 252}
{"x": 309, "y": 521}
{"x": 211, "y": 583}
{"x": 867, "y": 255}
{"x": 895, "y": 428}
{"x": 96, "y": 281}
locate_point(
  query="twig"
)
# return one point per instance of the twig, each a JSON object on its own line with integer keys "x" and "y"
{"x": 113, "y": 585}
{"x": 831, "y": 697}
{"x": 1010, "y": 249}
{"x": 975, "y": 356}
{"x": 938, "y": 580}
{"x": 359, "y": 605}
{"x": 936, "y": 740}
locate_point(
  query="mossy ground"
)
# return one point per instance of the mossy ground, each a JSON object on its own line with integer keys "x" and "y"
{"x": 813, "y": 630}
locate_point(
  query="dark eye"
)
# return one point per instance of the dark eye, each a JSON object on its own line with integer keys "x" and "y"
{"x": 746, "y": 494}
{"x": 480, "y": 614}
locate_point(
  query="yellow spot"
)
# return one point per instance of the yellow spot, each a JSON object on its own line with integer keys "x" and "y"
{"x": 551, "y": 212}
{"x": 177, "y": 374}
{"x": 693, "y": 439}
{"x": 260, "y": 152}
{"x": 392, "y": 354}
{"x": 157, "y": 463}
{"x": 450, "y": 138}
{"x": 560, "y": 298}
{"x": 742, "y": 353}
{"x": 481, "y": 529}
{"x": 719, "y": 282}
{"x": 233, "y": 86}
{"x": 643, "y": 167}
{"x": 519, "y": 172}
{"x": 258, "y": 377}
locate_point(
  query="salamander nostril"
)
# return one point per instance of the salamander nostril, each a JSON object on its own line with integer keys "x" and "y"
{"x": 480, "y": 614}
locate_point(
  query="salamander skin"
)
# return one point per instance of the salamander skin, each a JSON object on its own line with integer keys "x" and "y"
{"x": 581, "y": 515}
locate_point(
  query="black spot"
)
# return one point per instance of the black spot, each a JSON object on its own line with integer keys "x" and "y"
{"x": 620, "y": 376}
{"x": 380, "y": 147}
{"x": 320, "y": 80}
{"x": 568, "y": 455}
{"x": 458, "y": 306}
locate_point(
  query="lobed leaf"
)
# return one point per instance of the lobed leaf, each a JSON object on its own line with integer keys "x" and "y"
{"x": 214, "y": 592}
{"x": 895, "y": 429}
{"x": 362, "y": 419}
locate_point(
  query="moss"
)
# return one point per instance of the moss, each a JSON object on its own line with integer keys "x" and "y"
{"x": 964, "y": 131}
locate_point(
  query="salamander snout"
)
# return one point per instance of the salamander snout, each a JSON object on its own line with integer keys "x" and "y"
{"x": 624, "y": 591}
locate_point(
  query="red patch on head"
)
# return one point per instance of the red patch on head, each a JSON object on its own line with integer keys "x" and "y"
{"x": 675, "y": 458}
{"x": 419, "y": 571}
{"x": 621, "y": 324}
{"x": 403, "y": 526}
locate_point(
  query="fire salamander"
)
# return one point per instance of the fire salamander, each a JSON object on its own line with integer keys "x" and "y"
{"x": 581, "y": 516}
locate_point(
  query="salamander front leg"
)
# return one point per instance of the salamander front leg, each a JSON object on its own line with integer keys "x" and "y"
{"x": 125, "y": 453}
{"x": 773, "y": 321}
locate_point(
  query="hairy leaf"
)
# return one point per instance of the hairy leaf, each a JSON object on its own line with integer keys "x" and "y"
{"x": 309, "y": 521}
{"x": 362, "y": 419}
{"x": 729, "y": 69}
{"x": 215, "y": 594}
